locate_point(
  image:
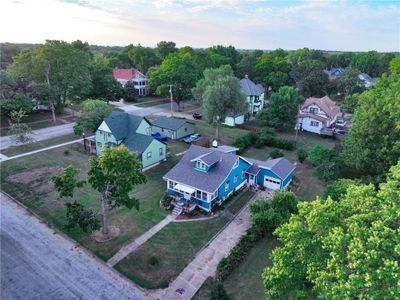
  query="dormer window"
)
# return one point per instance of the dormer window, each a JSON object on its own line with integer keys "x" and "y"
{"x": 313, "y": 110}
{"x": 203, "y": 166}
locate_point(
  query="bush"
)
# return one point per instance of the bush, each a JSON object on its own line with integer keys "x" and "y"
{"x": 238, "y": 253}
{"x": 302, "y": 155}
{"x": 276, "y": 153}
{"x": 66, "y": 152}
{"x": 218, "y": 292}
{"x": 153, "y": 261}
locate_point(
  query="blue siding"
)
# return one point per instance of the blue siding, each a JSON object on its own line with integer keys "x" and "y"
{"x": 264, "y": 172}
{"x": 243, "y": 165}
{"x": 287, "y": 180}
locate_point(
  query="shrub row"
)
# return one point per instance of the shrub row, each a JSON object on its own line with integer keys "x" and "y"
{"x": 264, "y": 138}
{"x": 238, "y": 253}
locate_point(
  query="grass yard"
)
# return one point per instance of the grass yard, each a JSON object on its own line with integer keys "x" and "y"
{"x": 245, "y": 282}
{"x": 204, "y": 293}
{"x": 15, "y": 150}
{"x": 157, "y": 262}
{"x": 28, "y": 180}
{"x": 235, "y": 203}
{"x": 226, "y": 134}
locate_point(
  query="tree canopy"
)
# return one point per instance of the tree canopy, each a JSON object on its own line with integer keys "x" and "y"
{"x": 143, "y": 58}
{"x": 347, "y": 249}
{"x": 282, "y": 108}
{"x": 373, "y": 142}
{"x": 92, "y": 114}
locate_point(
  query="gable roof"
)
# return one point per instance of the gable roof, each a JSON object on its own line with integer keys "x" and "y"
{"x": 185, "y": 173}
{"x": 121, "y": 123}
{"x": 127, "y": 74}
{"x": 250, "y": 88}
{"x": 211, "y": 158}
{"x": 325, "y": 104}
{"x": 334, "y": 72}
{"x": 169, "y": 123}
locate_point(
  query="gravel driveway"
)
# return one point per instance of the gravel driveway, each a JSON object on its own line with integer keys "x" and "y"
{"x": 38, "y": 263}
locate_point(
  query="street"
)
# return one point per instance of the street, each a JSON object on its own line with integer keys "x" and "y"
{"x": 38, "y": 263}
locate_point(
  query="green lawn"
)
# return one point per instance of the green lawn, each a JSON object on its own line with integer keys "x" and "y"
{"x": 172, "y": 248}
{"x": 204, "y": 293}
{"x": 245, "y": 282}
{"x": 28, "y": 180}
{"x": 235, "y": 203}
{"x": 15, "y": 150}
{"x": 227, "y": 134}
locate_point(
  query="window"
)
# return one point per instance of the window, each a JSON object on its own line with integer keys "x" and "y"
{"x": 203, "y": 166}
{"x": 313, "y": 110}
{"x": 109, "y": 134}
{"x": 235, "y": 178}
{"x": 198, "y": 164}
{"x": 161, "y": 151}
{"x": 242, "y": 174}
{"x": 314, "y": 124}
{"x": 99, "y": 145}
{"x": 185, "y": 129}
{"x": 226, "y": 185}
{"x": 171, "y": 184}
{"x": 162, "y": 129}
{"x": 198, "y": 194}
{"x": 204, "y": 196}
{"x": 148, "y": 154}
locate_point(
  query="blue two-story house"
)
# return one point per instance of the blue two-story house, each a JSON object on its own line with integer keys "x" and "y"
{"x": 206, "y": 176}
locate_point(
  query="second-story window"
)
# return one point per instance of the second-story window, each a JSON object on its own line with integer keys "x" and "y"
{"x": 235, "y": 178}
{"x": 227, "y": 185}
{"x": 313, "y": 110}
{"x": 314, "y": 124}
{"x": 148, "y": 154}
{"x": 161, "y": 151}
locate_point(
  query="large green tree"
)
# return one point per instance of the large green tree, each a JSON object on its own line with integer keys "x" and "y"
{"x": 143, "y": 58}
{"x": 373, "y": 142}
{"x": 282, "y": 108}
{"x": 368, "y": 62}
{"x": 179, "y": 70}
{"x": 114, "y": 175}
{"x": 92, "y": 114}
{"x": 310, "y": 77}
{"x": 60, "y": 67}
{"x": 349, "y": 83}
{"x": 220, "y": 94}
{"x": 164, "y": 48}
{"x": 347, "y": 249}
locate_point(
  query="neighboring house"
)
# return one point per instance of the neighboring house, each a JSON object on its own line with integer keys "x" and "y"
{"x": 368, "y": 80}
{"x": 317, "y": 114}
{"x": 207, "y": 176}
{"x": 140, "y": 80}
{"x": 254, "y": 98}
{"x": 334, "y": 73}
{"x": 135, "y": 133}
{"x": 173, "y": 128}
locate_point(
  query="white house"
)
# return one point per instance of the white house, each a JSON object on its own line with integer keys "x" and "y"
{"x": 317, "y": 114}
{"x": 367, "y": 80}
{"x": 254, "y": 98}
{"x": 139, "y": 79}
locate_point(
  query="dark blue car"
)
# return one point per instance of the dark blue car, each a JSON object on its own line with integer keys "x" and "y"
{"x": 159, "y": 136}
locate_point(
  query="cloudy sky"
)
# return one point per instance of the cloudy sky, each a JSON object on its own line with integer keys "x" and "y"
{"x": 255, "y": 24}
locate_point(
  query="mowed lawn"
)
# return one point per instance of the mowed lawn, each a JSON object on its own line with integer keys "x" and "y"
{"x": 160, "y": 260}
{"x": 28, "y": 180}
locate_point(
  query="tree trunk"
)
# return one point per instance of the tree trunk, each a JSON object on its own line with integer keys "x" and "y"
{"x": 53, "y": 111}
{"x": 103, "y": 208}
{"x": 217, "y": 131}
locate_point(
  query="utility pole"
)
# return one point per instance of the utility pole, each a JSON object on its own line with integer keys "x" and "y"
{"x": 170, "y": 93}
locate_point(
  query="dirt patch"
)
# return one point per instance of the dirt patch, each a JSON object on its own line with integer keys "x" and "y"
{"x": 33, "y": 175}
{"x": 113, "y": 232}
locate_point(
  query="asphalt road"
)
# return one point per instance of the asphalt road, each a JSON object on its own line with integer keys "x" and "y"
{"x": 38, "y": 263}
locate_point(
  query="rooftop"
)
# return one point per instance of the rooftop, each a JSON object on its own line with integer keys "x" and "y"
{"x": 169, "y": 123}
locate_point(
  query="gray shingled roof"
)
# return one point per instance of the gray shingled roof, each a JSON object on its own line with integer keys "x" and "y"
{"x": 280, "y": 166}
{"x": 211, "y": 158}
{"x": 184, "y": 171}
{"x": 253, "y": 169}
{"x": 169, "y": 123}
{"x": 250, "y": 88}
{"x": 123, "y": 126}
{"x": 225, "y": 148}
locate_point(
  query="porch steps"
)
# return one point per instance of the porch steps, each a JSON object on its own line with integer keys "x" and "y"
{"x": 177, "y": 211}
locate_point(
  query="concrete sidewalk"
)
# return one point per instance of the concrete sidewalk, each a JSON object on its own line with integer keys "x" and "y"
{"x": 205, "y": 263}
{"x": 40, "y": 135}
{"x": 131, "y": 247}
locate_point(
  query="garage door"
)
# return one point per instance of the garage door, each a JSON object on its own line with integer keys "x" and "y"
{"x": 272, "y": 183}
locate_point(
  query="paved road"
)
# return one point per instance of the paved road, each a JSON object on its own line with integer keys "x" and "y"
{"x": 40, "y": 134}
{"x": 38, "y": 263}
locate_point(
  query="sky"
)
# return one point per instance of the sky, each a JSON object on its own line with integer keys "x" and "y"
{"x": 344, "y": 25}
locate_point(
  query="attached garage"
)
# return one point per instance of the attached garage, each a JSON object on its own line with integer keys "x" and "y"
{"x": 272, "y": 183}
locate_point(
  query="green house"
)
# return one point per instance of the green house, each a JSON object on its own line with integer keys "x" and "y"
{"x": 135, "y": 133}
{"x": 173, "y": 128}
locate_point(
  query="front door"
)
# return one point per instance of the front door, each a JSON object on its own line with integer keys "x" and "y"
{"x": 187, "y": 196}
{"x": 251, "y": 179}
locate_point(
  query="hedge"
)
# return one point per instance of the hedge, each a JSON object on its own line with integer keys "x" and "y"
{"x": 238, "y": 253}
{"x": 265, "y": 138}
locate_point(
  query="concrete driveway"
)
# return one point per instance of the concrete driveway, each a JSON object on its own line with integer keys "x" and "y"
{"x": 38, "y": 263}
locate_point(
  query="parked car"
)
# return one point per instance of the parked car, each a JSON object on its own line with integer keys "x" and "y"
{"x": 192, "y": 138}
{"x": 159, "y": 136}
{"x": 197, "y": 116}
{"x": 340, "y": 123}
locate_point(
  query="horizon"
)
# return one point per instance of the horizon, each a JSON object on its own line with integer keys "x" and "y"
{"x": 338, "y": 26}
